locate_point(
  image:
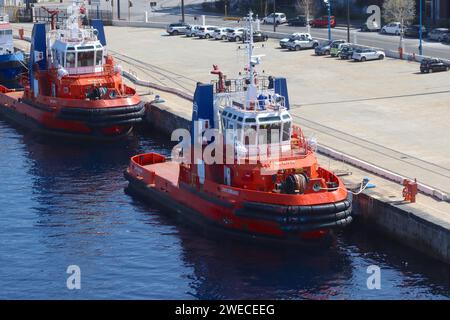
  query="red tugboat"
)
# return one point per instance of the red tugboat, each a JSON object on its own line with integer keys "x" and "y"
{"x": 73, "y": 88}
{"x": 269, "y": 186}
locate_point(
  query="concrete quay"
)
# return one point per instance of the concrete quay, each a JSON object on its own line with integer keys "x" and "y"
{"x": 382, "y": 112}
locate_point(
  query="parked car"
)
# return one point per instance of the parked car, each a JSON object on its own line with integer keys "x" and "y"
{"x": 392, "y": 28}
{"x": 292, "y": 36}
{"x": 433, "y": 65}
{"x": 206, "y": 32}
{"x": 446, "y": 39}
{"x": 325, "y": 48}
{"x": 438, "y": 34}
{"x": 322, "y": 22}
{"x": 192, "y": 30}
{"x": 279, "y": 18}
{"x": 299, "y": 21}
{"x": 368, "y": 54}
{"x": 346, "y": 52}
{"x": 365, "y": 28}
{"x": 236, "y": 34}
{"x": 220, "y": 33}
{"x": 305, "y": 41}
{"x": 177, "y": 28}
{"x": 258, "y": 36}
{"x": 336, "y": 48}
{"x": 414, "y": 31}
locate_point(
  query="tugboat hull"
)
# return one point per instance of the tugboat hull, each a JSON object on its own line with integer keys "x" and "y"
{"x": 303, "y": 224}
{"x": 108, "y": 123}
{"x": 215, "y": 228}
{"x": 11, "y": 66}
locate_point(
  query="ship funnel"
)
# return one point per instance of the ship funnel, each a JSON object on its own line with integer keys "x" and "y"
{"x": 203, "y": 108}
{"x": 38, "y": 52}
{"x": 280, "y": 87}
{"x": 98, "y": 25}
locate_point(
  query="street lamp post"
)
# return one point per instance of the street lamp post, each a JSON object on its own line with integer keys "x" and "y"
{"x": 348, "y": 20}
{"x": 182, "y": 10}
{"x": 420, "y": 30}
{"x": 274, "y": 17}
{"x": 328, "y": 4}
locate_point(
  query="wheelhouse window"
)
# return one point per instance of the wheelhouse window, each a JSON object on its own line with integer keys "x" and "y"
{"x": 86, "y": 58}
{"x": 98, "y": 57}
{"x": 269, "y": 133}
{"x": 249, "y": 135}
{"x": 286, "y": 131}
{"x": 70, "y": 60}
{"x": 5, "y": 32}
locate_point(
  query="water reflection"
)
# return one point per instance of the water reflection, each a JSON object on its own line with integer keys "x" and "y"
{"x": 64, "y": 204}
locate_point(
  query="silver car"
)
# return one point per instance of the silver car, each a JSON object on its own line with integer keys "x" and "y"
{"x": 368, "y": 54}
{"x": 236, "y": 34}
{"x": 438, "y": 34}
{"x": 206, "y": 32}
{"x": 192, "y": 30}
{"x": 177, "y": 28}
{"x": 220, "y": 33}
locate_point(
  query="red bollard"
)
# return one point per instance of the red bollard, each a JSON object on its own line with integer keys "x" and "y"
{"x": 21, "y": 32}
{"x": 410, "y": 190}
{"x": 400, "y": 52}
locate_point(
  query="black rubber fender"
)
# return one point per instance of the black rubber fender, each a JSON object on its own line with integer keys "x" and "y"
{"x": 298, "y": 210}
{"x": 103, "y": 117}
{"x": 114, "y": 123}
{"x": 294, "y": 220}
{"x": 89, "y": 111}
{"x": 317, "y": 226}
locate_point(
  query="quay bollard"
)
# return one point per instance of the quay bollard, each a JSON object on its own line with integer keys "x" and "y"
{"x": 400, "y": 52}
{"x": 410, "y": 190}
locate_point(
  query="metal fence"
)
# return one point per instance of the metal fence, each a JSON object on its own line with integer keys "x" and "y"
{"x": 105, "y": 15}
{"x": 38, "y": 14}
{"x": 16, "y": 13}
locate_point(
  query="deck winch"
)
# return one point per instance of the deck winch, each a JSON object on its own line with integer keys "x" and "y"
{"x": 294, "y": 184}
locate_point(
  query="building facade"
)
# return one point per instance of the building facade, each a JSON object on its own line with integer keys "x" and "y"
{"x": 442, "y": 9}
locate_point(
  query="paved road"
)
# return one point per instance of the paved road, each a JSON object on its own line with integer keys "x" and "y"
{"x": 386, "y": 42}
{"x": 168, "y": 11}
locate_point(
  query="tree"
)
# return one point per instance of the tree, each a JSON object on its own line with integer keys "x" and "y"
{"x": 402, "y": 11}
{"x": 399, "y": 10}
{"x": 307, "y": 6}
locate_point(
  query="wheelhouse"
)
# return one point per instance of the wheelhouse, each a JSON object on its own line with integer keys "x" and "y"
{"x": 78, "y": 58}
{"x": 260, "y": 128}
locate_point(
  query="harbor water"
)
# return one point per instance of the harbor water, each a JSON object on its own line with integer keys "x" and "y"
{"x": 63, "y": 204}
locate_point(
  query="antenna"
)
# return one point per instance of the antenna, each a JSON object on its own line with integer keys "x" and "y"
{"x": 251, "y": 89}
{"x": 250, "y": 46}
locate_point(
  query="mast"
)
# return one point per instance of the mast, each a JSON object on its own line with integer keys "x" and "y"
{"x": 251, "y": 89}
{"x": 250, "y": 46}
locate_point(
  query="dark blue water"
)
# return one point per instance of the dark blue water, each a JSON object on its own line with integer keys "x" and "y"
{"x": 64, "y": 204}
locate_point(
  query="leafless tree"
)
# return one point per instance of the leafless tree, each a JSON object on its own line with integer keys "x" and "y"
{"x": 307, "y": 6}
{"x": 402, "y": 11}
